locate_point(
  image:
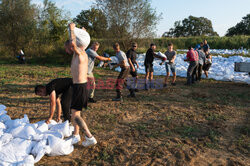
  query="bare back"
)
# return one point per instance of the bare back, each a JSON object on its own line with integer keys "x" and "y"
{"x": 79, "y": 67}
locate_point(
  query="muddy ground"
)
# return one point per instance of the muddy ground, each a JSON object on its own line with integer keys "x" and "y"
{"x": 205, "y": 124}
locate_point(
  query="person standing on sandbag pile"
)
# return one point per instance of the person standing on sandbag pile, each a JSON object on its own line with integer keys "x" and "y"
{"x": 55, "y": 88}
{"x": 92, "y": 55}
{"x": 121, "y": 79}
{"x": 132, "y": 55}
{"x": 79, "y": 70}
{"x": 192, "y": 58}
{"x": 148, "y": 63}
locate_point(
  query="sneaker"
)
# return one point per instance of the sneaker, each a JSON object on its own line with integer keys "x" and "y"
{"x": 117, "y": 99}
{"x": 91, "y": 100}
{"x": 173, "y": 83}
{"x": 89, "y": 141}
{"x": 74, "y": 139}
{"x": 164, "y": 85}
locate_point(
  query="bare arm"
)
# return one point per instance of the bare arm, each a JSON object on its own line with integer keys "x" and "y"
{"x": 131, "y": 64}
{"x": 59, "y": 109}
{"x": 73, "y": 38}
{"x": 52, "y": 106}
{"x": 101, "y": 58}
{"x": 173, "y": 59}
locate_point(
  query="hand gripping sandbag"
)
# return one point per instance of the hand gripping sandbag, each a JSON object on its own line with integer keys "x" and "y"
{"x": 62, "y": 128}
{"x": 82, "y": 37}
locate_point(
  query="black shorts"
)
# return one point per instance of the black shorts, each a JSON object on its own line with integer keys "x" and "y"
{"x": 133, "y": 73}
{"x": 79, "y": 97}
{"x": 149, "y": 68}
{"x": 206, "y": 67}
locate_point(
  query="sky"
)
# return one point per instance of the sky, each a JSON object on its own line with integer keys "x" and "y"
{"x": 224, "y": 14}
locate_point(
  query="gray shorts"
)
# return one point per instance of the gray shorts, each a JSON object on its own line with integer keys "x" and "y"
{"x": 170, "y": 66}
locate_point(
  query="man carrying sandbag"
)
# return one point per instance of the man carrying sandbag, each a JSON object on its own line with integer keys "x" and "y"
{"x": 79, "y": 69}
{"x": 57, "y": 87}
{"x": 92, "y": 55}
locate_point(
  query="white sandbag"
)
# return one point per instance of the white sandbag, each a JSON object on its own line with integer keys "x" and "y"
{"x": 100, "y": 64}
{"x": 52, "y": 123}
{"x": 2, "y": 112}
{"x": 40, "y": 149}
{"x": 24, "y": 132}
{"x": 62, "y": 128}
{"x": 43, "y": 127}
{"x": 28, "y": 161}
{"x": 5, "y": 138}
{"x": 2, "y": 107}
{"x": 59, "y": 147}
{"x": 16, "y": 151}
{"x": 2, "y": 125}
{"x": 114, "y": 61}
{"x": 161, "y": 55}
{"x": 17, "y": 122}
{"x": 82, "y": 38}
{"x": 4, "y": 118}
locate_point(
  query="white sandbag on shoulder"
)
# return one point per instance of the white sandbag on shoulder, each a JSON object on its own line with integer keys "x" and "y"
{"x": 62, "y": 128}
{"x": 59, "y": 147}
{"x": 16, "y": 151}
{"x": 82, "y": 37}
{"x": 4, "y": 118}
{"x": 40, "y": 149}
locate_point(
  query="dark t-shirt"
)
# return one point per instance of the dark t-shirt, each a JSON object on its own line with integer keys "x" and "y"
{"x": 149, "y": 57}
{"x": 59, "y": 85}
{"x": 132, "y": 55}
{"x": 206, "y": 47}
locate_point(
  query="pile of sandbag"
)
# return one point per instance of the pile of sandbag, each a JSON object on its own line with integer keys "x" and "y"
{"x": 23, "y": 143}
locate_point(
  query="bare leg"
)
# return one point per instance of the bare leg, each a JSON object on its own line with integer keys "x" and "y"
{"x": 174, "y": 77}
{"x": 206, "y": 73}
{"x": 166, "y": 78}
{"x": 151, "y": 78}
{"x": 78, "y": 123}
{"x": 146, "y": 79}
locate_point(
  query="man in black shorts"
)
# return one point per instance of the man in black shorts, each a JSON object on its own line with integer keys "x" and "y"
{"x": 57, "y": 87}
{"x": 131, "y": 55}
{"x": 148, "y": 63}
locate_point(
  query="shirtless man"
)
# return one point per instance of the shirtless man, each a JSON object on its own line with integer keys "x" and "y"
{"x": 79, "y": 69}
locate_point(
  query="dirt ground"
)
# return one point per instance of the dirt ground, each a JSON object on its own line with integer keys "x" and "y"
{"x": 204, "y": 124}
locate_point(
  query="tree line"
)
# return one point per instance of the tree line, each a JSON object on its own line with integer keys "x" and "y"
{"x": 42, "y": 29}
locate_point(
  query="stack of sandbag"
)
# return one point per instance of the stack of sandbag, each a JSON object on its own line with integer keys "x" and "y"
{"x": 23, "y": 143}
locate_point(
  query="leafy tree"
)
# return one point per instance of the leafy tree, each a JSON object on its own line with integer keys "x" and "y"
{"x": 192, "y": 26}
{"x": 17, "y": 23}
{"x": 242, "y": 28}
{"x": 51, "y": 27}
{"x": 128, "y": 19}
{"x": 94, "y": 21}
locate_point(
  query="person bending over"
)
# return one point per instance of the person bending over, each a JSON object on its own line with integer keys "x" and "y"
{"x": 55, "y": 88}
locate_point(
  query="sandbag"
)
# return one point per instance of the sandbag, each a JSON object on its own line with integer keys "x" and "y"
{"x": 4, "y": 118}
{"x": 82, "y": 38}
{"x": 114, "y": 61}
{"x": 62, "y": 128}
{"x": 40, "y": 149}
{"x": 24, "y": 132}
{"x": 59, "y": 147}
{"x": 2, "y": 107}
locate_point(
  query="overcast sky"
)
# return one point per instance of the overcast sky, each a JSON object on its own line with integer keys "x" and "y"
{"x": 223, "y": 13}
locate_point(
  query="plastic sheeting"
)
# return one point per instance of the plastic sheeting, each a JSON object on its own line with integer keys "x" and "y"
{"x": 23, "y": 143}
